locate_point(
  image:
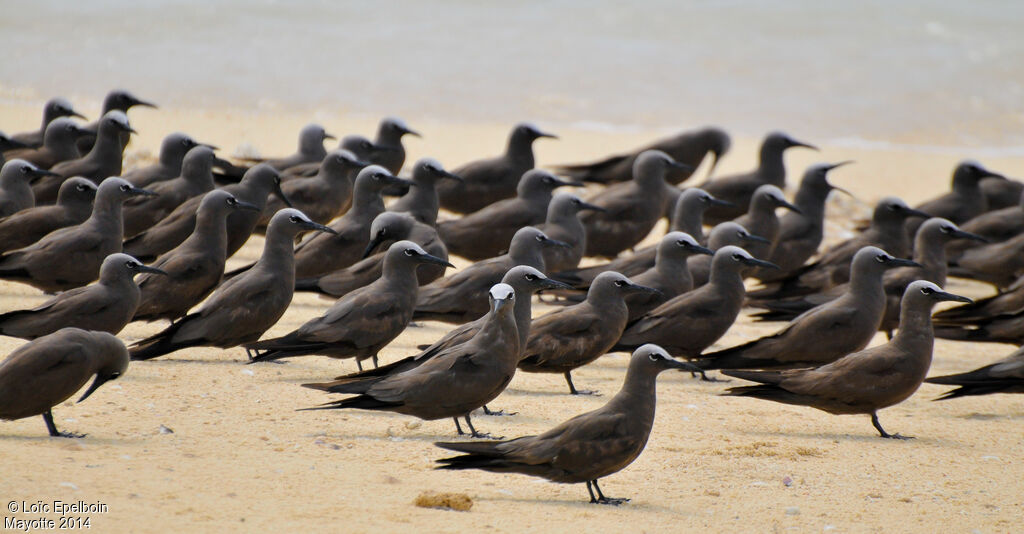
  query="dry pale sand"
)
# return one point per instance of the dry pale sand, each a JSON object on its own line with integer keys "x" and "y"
{"x": 241, "y": 457}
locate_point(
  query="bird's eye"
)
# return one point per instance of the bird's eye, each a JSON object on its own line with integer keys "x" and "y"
{"x": 115, "y": 375}
{"x": 893, "y": 207}
{"x": 881, "y": 258}
{"x": 540, "y": 238}
{"x": 277, "y": 180}
{"x": 81, "y": 187}
{"x": 294, "y": 219}
{"x": 231, "y": 201}
{"x": 185, "y": 142}
{"x": 946, "y": 229}
{"x": 25, "y": 169}
{"x": 737, "y": 257}
{"x": 130, "y": 264}
{"x": 927, "y": 290}
{"x": 682, "y": 243}
{"x": 69, "y": 127}
{"x": 654, "y": 356}
{"x": 410, "y": 252}
{"x": 366, "y": 145}
{"x": 620, "y": 283}
{"x": 126, "y": 188}
{"x": 531, "y": 277}
{"x": 741, "y": 234}
{"x": 548, "y": 180}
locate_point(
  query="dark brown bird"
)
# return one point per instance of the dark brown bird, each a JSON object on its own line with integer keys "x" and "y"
{"x": 1004, "y": 376}
{"x": 689, "y": 147}
{"x": 15, "y": 191}
{"x": 670, "y": 275}
{"x": 141, "y": 213}
{"x": 963, "y": 202}
{"x": 996, "y": 226}
{"x": 107, "y": 305}
{"x": 587, "y": 447}
{"x": 320, "y": 255}
{"x": 54, "y": 109}
{"x": 104, "y": 160}
{"x": 760, "y": 219}
{"x": 453, "y": 383}
{"x": 195, "y": 267}
{"x": 688, "y": 324}
{"x": 421, "y": 201}
{"x": 487, "y": 181}
{"x": 116, "y": 100}
{"x": 571, "y": 337}
{"x": 459, "y": 298}
{"x": 999, "y": 264}
{"x": 866, "y": 381}
{"x": 1009, "y": 302}
{"x": 389, "y": 152}
{"x": 386, "y": 229}
{"x": 362, "y": 148}
{"x": 722, "y": 235}
{"x": 258, "y": 183}
{"x": 310, "y": 150}
{"x": 562, "y": 222}
{"x": 240, "y": 310}
{"x": 631, "y": 209}
{"x": 323, "y": 196}
{"x": 59, "y": 144}
{"x": 71, "y": 257}
{"x": 362, "y": 322}
{"x": 824, "y": 333}
{"x": 484, "y": 233}
{"x": 47, "y": 371}
{"x": 738, "y": 188}
{"x": 1001, "y": 193}
{"x": 74, "y": 205}
{"x": 168, "y": 164}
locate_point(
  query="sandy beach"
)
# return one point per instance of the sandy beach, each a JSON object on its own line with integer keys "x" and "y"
{"x": 239, "y": 457}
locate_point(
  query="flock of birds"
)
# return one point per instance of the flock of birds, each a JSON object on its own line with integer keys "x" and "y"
{"x": 148, "y": 244}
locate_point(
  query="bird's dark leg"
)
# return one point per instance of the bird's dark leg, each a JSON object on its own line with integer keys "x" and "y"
{"x": 572, "y": 388}
{"x": 705, "y": 378}
{"x": 882, "y": 432}
{"x": 487, "y": 411}
{"x": 479, "y": 435}
{"x": 252, "y": 354}
{"x": 375, "y": 362}
{"x": 593, "y": 500}
{"x": 48, "y": 417}
{"x": 888, "y": 335}
{"x": 359, "y": 363}
{"x": 601, "y": 499}
{"x": 457, "y": 427}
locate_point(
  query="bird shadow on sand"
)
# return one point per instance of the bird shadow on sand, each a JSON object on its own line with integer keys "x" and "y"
{"x": 862, "y": 438}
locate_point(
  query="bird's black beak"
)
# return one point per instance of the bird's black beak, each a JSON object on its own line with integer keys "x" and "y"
{"x": 548, "y": 283}
{"x": 697, "y": 249}
{"x": 243, "y": 205}
{"x": 74, "y": 113}
{"x": 968, "y": 235}
{"x": 280, "y": 194}
{"x": 545, "y": 134}
{"x": 902, "y": 262}
{"x": 329, "y": 136}
{"x": 592, "y": 207}
{"x": 39, "y": 173}
{"x": 985, "y": 173}
{"x": 143, "y": 192}
{"x": 219, "y": 162}
{"x": 499, "y": 304}
{"x": 572, "y": 183}
{"x": 99, "y": 381}
{"x": 789, "y": 206}
{"x": 945, "y": 296}
{"x": 457, "y": 178}
{"x": 794, "y": 143}
{"x": 394, "y": 180}
{"x": 548, "y": 242}
{"x": 911, "y": 212}
{"x": 681, "y": 166}
{"x": 720, "y": 202}
{"x": 414, "y": 133}
{"x": 377, "y": 240}
{"x": 148, "y": 269}
{"x": 682, "y": 366}
{"x": 754, "y": 262}
{"x": 755, "y": 239}
{"x": 430, "y": 258}
{"x": 834, "y": 166}
{"x": 310, "y": 225}
{"x": 143, "y": 103}
{"x": 637, "y": 288}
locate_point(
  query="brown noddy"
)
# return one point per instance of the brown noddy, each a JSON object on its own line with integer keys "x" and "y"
{"x": 320, "y": 255}
{"x": 705, "y": 313}
{"x": 258, "y": 183}
{"x": 996, "y": 226}
{"x": 459, "y": 298}
{"x": 832, "y": 268}
{"x": 74, "y": 205}
{"x": 47, "y": 371}
{"x": 323, "y": 196}
{"x": 362, "y": 148}
{"x": 241, "y": 309}
{"x": 487, "y": 181}
{"x": 963, "y": 202}
{"x": 59, "y": 144}
{"x": 16, "y": 177}
{"x": 999, "y": 264}
{"x": 1003, "y": 376}
{"x": 193, "y": 269}
{"x": 453, "y": 383}
{"x": 689, "y": 147}
{"x": 800, "y": 232}
{"x": 571, "y": 337}
{"x": 71, "y": 257}
{"x": 760, "y": 218}
{"x": 310, "y": 150}
{"x": 362, "y": 322}
{"x": 1001, "y": 193}
{"x": 168, "y": 165}
{"x": 587, "y": 447}
{"x": 386, "y": 229}
{"x": 1009, "y": 302}
{"x": 196, "y": 179}
{"x": 722, "y": 235}
{"x": 631, "y": 209}
{"x": 105, "y": 159}
{"x": 562, "y": 222}
{"x": 107, "y": 305}
{"x": 484, "y": 233}
{"x": 670, "y": 274}
{"x": 824, "y": 333}
{"x": 866, "y": 381}
{"x": 116, "y": 100}
{"x": 422, "y": 201}
{"x": 390, "y": 153}
{"x": 738, "y": 188}
{"x": 52, "y": 110}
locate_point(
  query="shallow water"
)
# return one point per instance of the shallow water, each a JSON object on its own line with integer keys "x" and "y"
{"x": 909, "y": 72}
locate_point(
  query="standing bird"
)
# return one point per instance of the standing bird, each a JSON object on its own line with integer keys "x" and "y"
{"x": 258, "y": 183}
{"x": 74, "y": 205}
{"x": 59, "y": 144}
{"x": 1004, "y": 376}
{"x": 346, "y": 244}
{"x": 52, "y": 110}
{"x": 738, "y": 188}
{"x": 571, "y": 337}
{"x": 453, "y": 383}
{"x": 168, "y": 164}
{"x": 826, "y": 332}
{"x": 71, "y": 257}
{"x": 800, "y": 232}
{"x": 866, "y": 381}
{"x": 722, "y": 235}
{"x": 310, "y": 150}
{"x": 1001, "y": 193}
{"x": 47, "y": 371}
{"x": 761, "y": 219}
{"x": 390, "y": 153}
{"x": 487, "y": 181}
{"x": 964, "y": 202}
{"x": 1000, "y": 264}
{"x": 670, "y": 274}
{"x": 996, "y": 226}
{"x": 140, "y": 214}
{"x": 483, "y": 234}
{"x": 563, "y": 223}
{"x": 631, "y": 209}
{"x": 107, "y": 305}
{"x": 117, "y": 100}
{"x": 587, "y": 447}
{"x": 323, "y": 196}
{"x": 362, "y": 322}
{"x": 421, "y": 201}
{"x": 691, "y": 322}
{"x": 459, "y": 298}
{"x": 195, "y": 267}
{"x": 105, "y": 159}
{"x": 362, "y": 148}
{"x": 243, "y": 308}
{"x": 15, "y": 190}
{"x": 689, "y": 147}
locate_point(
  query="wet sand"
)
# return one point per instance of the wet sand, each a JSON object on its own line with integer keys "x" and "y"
{"x": 241, "y": 457}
